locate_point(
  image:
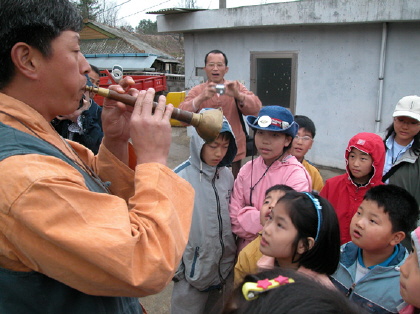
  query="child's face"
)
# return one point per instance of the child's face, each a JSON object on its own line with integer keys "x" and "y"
{"x": 94, "y": 77}
{"x": 213, "y": 153}
{"x": 405, "y": 129}
{"x": 270, "y": 144}
{"x": 410, "y": 279}
{"x": 278, "y": 236}
{"x": 360, "y": 166}
{"x": 301, "y": 144}
{"x": 269, "y": 202}
{"x": 371, "y": 228}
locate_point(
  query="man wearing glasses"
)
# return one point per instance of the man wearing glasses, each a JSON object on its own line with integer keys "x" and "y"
{"x": 232, "y": 96}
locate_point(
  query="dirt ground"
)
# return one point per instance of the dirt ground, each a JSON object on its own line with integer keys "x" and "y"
{"x": 179, "y": 152}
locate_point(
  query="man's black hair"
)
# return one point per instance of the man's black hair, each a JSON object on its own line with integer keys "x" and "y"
{"x": 35, "y": 22}
{"x": 216, "y": 51}
{"x": 279, "y": 187}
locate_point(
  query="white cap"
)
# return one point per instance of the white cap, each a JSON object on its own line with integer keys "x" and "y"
{"x": 408, "y": 106}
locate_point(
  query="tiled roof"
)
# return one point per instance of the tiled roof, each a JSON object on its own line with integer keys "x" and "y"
{"x": 174, "y": 11}
{"x": 111, "y": 45}
{"x": 122, "y": 42}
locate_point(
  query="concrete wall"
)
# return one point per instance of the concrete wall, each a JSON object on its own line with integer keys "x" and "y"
{"x": 338, "y": 63}
{"x": 303, "y": 12}
{"x": 337, "y": 80}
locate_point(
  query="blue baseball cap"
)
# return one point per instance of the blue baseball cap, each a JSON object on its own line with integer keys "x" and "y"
{"x": 274, "y": 118}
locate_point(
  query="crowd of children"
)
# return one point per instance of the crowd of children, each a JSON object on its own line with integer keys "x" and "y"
{"x": 343, "y": 248}
{"x": 337, "y": 245}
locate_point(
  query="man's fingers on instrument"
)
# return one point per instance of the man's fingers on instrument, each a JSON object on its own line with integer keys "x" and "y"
{"x": 159, "y": 110}
{"x": 160, "y": 106}
{"x": 147, "y": 102}
{"x": 117, "y": 88}
{"x": 133, "y": 92}
{"x": 126, "y": 82}
{"x": 168, "y": 112}
{"x": 139, "y": 102}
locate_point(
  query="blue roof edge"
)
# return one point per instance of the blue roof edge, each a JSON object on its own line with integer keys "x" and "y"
{"x": 104, "y": 55}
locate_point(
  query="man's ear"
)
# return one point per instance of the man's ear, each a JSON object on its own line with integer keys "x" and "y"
{"x": 397, "y": 237}
{"x": 25, "y": 59}
{"x": 227, "y": 69}
{"x": 302, "y": 248}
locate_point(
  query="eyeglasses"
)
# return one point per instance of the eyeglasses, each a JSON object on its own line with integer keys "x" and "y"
{"x": 218, "y": 65}
{"x": 305, "y": 138}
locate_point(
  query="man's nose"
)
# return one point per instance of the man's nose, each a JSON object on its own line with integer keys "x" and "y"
{"x": 84, "y": 66}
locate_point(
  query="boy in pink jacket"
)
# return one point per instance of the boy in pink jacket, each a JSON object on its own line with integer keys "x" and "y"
{"x": 274, "y": 129}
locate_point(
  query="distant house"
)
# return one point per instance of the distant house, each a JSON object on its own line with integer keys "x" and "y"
{"x": 105, "y": 46}
{"x": 345, "y": 64}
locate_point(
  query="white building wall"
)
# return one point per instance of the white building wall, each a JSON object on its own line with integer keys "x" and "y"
{"x": 339, "y": 48}
{"x": 337, "y": 73}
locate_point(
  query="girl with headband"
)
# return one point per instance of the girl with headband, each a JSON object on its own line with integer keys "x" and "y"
{"x": 301, "y": 233}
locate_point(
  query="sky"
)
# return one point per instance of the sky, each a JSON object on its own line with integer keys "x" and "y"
{"x": 132, "y": 11}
